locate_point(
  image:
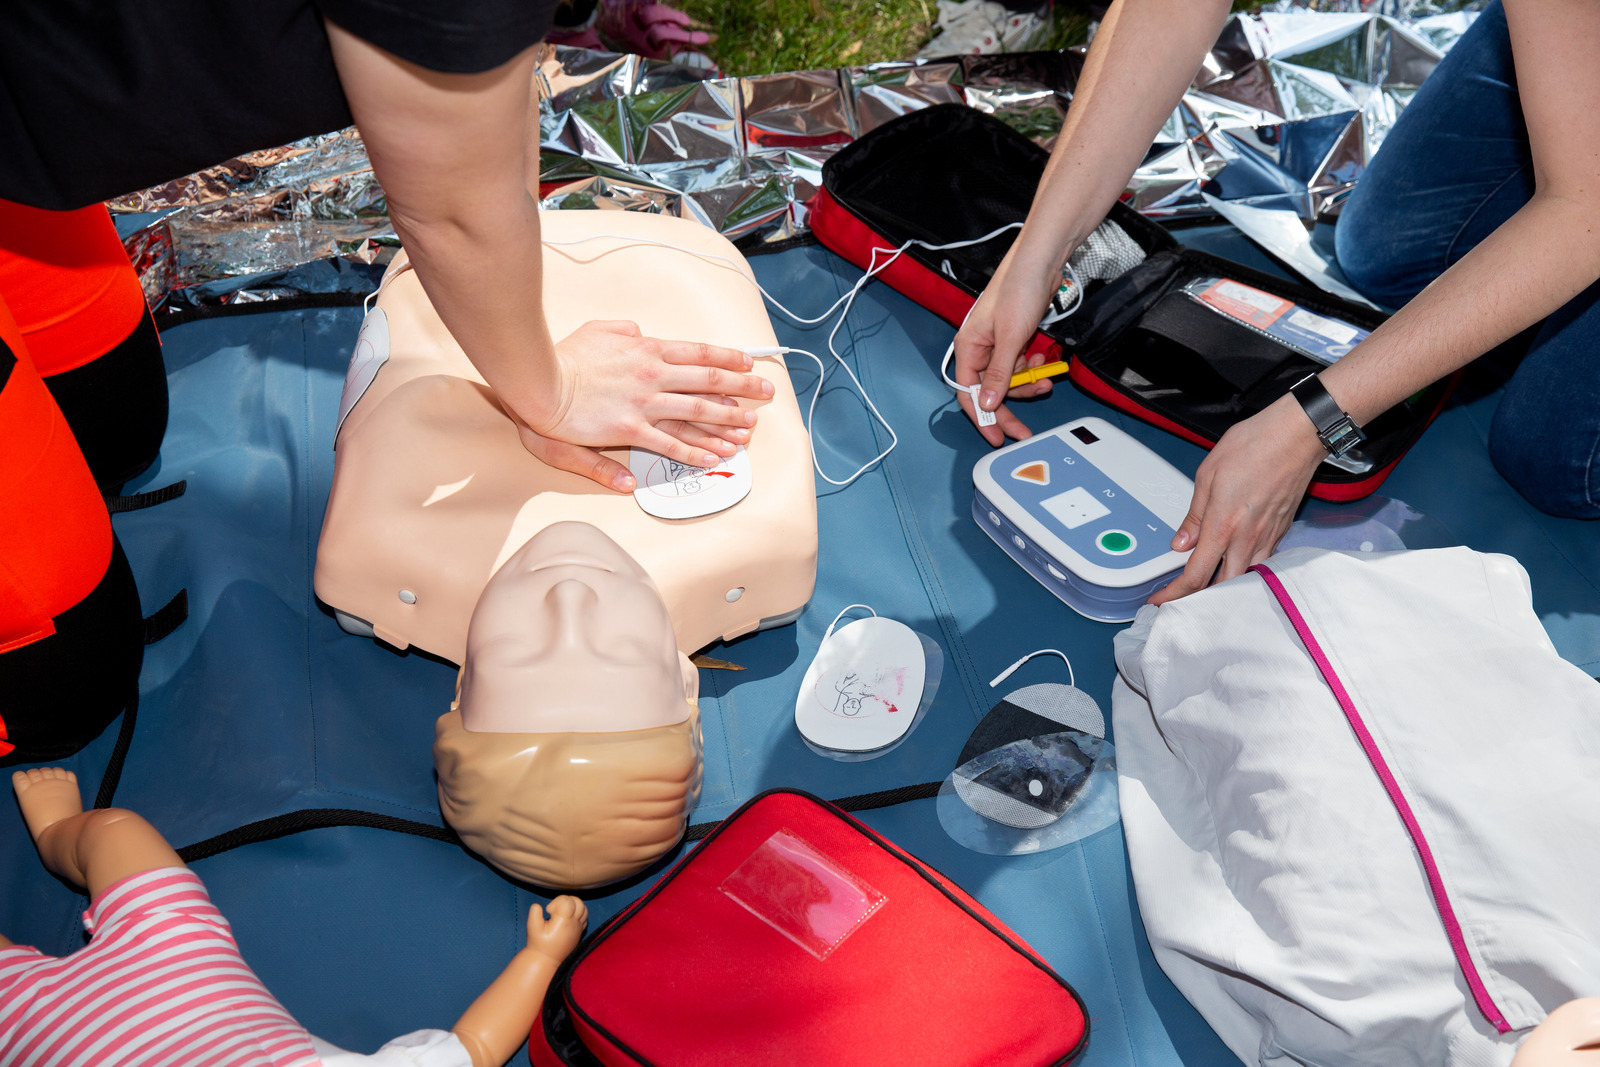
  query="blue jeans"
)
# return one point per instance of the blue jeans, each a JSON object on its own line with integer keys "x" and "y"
{"x": 1456, "y": 166}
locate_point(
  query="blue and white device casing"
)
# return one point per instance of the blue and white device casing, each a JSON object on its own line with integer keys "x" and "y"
{"x": 1089, "y": 512}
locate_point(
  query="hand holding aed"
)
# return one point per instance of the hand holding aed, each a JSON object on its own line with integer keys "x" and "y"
{"x": 989, "y": 346}
{"x": 1245, "y": 495}
{"x": 556, "y": 935}
{"x": 619, "y": 388}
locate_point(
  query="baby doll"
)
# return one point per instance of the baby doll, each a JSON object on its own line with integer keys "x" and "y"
{"x": 161, "y": 980}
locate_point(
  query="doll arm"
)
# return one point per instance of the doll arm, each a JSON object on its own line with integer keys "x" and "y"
{"x": 497, "y": 1023}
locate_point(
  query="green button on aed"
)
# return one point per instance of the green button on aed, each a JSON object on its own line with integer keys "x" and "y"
{"x": 1116, "y": 542}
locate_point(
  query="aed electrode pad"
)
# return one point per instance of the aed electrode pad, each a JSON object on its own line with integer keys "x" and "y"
{"x": 1089, "y": 512}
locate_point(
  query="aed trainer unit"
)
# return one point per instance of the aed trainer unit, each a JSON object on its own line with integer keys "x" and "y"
{"x": 1089, "y": 512}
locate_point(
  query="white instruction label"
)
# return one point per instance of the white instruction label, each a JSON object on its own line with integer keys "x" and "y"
{"x": 1335, "y": 331}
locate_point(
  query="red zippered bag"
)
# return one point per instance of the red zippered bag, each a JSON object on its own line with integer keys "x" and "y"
{"x": 949, "y": 173}
{"x": 795, "y": 935}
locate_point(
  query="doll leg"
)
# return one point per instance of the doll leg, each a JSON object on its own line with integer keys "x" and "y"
{"x": 90, "y": 848}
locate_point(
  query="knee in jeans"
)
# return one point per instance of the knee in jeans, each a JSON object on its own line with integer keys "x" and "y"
{"x": 1525, "y": 459}
{"x": 1367, "y": 252}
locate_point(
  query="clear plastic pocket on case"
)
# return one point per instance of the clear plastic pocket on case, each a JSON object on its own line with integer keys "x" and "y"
{"x": 802, "y": 894}
{"x": 1314, "y": 336}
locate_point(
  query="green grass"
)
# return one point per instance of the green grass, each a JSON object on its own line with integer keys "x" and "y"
{"x": 769, "y": 36}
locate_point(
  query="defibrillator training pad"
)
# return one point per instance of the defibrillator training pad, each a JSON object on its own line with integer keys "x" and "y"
{"x": 1036, "y": 774}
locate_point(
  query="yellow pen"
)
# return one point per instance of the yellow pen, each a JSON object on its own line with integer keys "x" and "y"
{"x": 1043, "y": 370}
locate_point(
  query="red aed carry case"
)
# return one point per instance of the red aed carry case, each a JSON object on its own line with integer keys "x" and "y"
{"x": 795, "y": 935}
{"x": 1138, "y": 342}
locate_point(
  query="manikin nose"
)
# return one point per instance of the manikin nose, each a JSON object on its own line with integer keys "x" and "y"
{"x": 573, "y": 604}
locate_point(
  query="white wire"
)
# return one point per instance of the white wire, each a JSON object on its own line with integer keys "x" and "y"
{"x": 874, "y": 268}
{"x": 811, "y": 415}
{"x": 839, "y": 616}
{"x": 1009, "y": 671}
{"x": 366, "y": 305}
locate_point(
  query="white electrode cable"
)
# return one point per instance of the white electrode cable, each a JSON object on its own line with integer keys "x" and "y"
{"x": 874, "y": 268}
{"x": 1009, "y": 671}
{"x": 366, "y": 305}
{"x": 836, "y": 618}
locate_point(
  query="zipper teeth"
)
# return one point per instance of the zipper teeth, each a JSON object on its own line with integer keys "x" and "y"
{"x": 1452, "y": 926}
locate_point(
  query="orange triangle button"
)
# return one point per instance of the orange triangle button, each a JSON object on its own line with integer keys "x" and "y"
{"x": 1037, "y": 472}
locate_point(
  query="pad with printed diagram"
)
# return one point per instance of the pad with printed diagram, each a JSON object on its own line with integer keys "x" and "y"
{"x": 668, "y": 489}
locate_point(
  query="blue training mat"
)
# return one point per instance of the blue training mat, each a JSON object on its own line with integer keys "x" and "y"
{"x": 259, "y": 704}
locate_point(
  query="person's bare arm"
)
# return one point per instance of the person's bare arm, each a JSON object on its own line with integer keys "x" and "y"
{"x": 1247, "y": 490}
{"x": 1144, "y": 56}
{"x": 454, "y": 153}
{"x": 497, "y": 1023}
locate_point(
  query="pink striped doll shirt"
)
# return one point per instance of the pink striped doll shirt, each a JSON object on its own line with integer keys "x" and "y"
{"x": 161, "y": 983}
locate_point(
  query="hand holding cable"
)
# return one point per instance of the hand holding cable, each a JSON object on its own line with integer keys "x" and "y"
{"x": 988, "y": 349}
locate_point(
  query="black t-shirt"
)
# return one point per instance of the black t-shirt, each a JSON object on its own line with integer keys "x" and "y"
{"x": 99, "y": 98}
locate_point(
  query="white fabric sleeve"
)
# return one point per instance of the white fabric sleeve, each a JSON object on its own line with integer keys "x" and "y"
{"x": 421, "y": 1048}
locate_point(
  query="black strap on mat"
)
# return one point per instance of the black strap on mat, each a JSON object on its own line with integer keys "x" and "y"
{"x": 295, "y": 822}
{"x": 162, "y": 622}
{"x": 167, "y": 618}
{"x": 139, "y": 501}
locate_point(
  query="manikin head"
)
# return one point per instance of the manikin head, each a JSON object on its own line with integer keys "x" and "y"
{"x": 572, "y": 754}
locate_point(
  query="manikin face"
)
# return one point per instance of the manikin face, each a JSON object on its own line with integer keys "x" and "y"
{"x": 575, "y": 753}
{"x": 571, "y": 635}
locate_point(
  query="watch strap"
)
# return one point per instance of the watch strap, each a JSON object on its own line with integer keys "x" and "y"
{"x": 1335, "y": 428}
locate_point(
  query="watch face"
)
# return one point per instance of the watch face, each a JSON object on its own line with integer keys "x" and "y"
{"x": 1342, "y": 436}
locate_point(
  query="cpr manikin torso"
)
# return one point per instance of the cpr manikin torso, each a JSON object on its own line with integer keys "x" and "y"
{"x": 433, "y": 490}
{"x": 572, "y": 753}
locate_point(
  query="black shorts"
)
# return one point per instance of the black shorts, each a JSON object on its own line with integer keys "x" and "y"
{"x": 98, "y": 99}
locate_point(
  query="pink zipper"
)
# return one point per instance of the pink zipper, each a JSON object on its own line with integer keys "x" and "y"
{"x": 1441, "y": 900}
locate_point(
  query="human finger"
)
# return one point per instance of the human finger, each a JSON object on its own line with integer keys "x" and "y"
{"x": 671, "y": 447}
{"x": 1196, "y": 573}
{"x": 995, "y": 381}
{"x": 738, "y": 435}
{"x": 696, "y": 354}
{"x": 994, "y": 433}
{"x": 695, "y": 380}
{"x": 691, "y": 434}
{"x": 690, "y": 407}
{"x": 1030, "y": 390}
{"x": 1188, "y": 534}
{"x": 576, "y": 459}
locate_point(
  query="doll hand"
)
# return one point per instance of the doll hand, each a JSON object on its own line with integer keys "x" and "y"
{"x": 1245, "y": 496}
{"x": 619, "y": 388}
{"x": 989, "y": 349}
{"x": 1568, "y": 1037}
{"x": 555, "y": 937}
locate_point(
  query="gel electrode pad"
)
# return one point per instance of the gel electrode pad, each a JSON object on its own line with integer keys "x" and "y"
{"x": 870, "y": 684}
{"x": 1036, "y": 774}
{"x": 668, "y": 489}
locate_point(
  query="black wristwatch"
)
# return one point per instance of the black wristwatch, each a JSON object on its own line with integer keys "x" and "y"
{"x": 1336, "y": 430}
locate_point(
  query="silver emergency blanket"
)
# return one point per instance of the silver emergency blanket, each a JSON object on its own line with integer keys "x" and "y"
{"x": 1284, "y": 115}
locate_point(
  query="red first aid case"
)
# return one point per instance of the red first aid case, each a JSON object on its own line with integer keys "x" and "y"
{"x": 795, "y": 935}
{"x": 1187, "y": 341}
